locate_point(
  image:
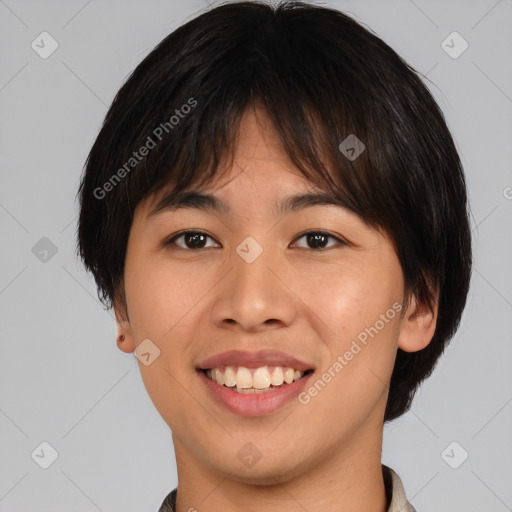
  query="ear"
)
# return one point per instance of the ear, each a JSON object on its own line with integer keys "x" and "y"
{"x": 418, "y": 326}
{"x": 124, "y": 329}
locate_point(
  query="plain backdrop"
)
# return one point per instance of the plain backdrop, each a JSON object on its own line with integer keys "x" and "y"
{"x": 62, "y": 379}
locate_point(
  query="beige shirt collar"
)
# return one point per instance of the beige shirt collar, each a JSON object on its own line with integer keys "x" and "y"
{"x": 399, "y": 501}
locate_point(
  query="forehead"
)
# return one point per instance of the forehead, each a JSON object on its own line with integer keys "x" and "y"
{"x": 257, "y": 153}
{"x": 260, "y": 162}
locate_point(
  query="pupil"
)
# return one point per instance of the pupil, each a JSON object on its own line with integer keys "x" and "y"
{"x": 195, "y": 236}
{"x": 313, "y": 238}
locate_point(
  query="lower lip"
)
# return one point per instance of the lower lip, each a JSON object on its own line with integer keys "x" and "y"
{"x": 254, "y": 404}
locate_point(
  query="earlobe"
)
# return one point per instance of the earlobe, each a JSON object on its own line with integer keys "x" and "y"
{"x": 125, "y": 340}
{"x": 125, "y": 343}
{"x": 418, "y": 327}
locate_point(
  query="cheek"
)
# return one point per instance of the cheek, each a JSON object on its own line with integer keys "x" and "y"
{"x": 162, "y": 301}
{"x": 353, "y": 306}
{"x": 160, "y": 294}
{"x": 351, "y": 297}
{"x": 353, "y": 311}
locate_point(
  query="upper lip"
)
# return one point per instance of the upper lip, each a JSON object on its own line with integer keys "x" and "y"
{"x": 253, "y": 360}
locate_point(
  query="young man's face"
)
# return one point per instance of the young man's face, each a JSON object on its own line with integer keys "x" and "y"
{"x": 254, "y": 283}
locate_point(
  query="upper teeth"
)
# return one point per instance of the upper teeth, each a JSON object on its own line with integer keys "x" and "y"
{"x": 258, "y": 378}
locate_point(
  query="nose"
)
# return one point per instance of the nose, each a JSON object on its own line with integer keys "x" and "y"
{"x": 254, "y": 296}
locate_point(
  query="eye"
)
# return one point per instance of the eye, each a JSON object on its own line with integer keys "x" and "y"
{"x": 319, "y": 238}
{"x": 194, "y": 240}
{"x": 191, "y": 240}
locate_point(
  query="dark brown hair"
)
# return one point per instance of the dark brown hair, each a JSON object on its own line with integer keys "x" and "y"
{"x": 320, "y": 77}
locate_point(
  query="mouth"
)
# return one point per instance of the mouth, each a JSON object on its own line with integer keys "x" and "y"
{"x": 264, "y": 379}
{"x": 254, "y": 383}
{"x": 253, "y": 391}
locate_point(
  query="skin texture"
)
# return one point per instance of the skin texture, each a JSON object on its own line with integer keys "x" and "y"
{"x": 308, "y": 302}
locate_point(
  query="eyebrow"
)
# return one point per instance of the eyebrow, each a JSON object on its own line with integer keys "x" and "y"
{"x": 213, "y": 204}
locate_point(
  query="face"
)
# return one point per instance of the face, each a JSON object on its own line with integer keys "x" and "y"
{"x": 252, "y": 292}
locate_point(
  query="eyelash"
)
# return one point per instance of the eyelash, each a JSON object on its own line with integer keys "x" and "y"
{"x": 171, "y": 241}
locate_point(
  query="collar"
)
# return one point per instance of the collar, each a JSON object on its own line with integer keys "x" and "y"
{"x": 394, "y": 488}
{"x": 399, "y": 501}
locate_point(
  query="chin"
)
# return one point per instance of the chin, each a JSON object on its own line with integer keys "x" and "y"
{"x": 266, "y": 471}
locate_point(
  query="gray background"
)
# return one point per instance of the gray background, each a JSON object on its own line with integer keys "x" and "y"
{"x": 62, "y": 378}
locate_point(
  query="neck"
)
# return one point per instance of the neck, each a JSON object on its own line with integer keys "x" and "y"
{"x": 346, "y": 478}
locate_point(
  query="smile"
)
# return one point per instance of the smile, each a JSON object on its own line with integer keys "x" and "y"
{"x": 254, "y": 380}
{"x": 243, "y": 396}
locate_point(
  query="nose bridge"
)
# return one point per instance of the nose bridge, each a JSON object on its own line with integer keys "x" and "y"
{"x": 252, "y": 262}
{"x": 252, "y": 296}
